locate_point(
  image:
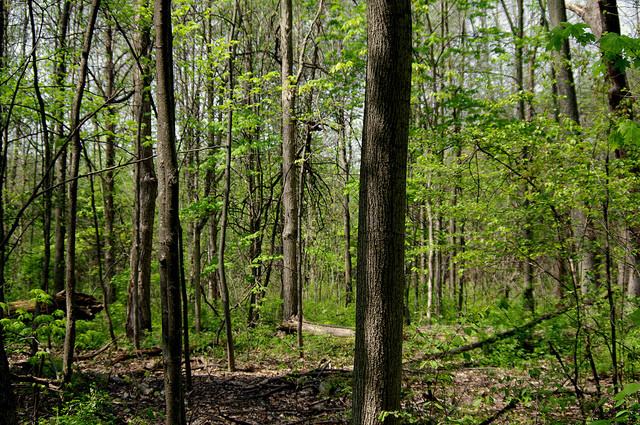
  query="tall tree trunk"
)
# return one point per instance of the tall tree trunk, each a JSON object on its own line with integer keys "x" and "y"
{"x": 431, "y": 258}
{"x": 567, "y": 99}
{"x": 379, "y": 301}
{"x": 8, "y": 413}
{"x": 346, "y": 201}
{"x": 196, "y": 268}
{"x": 76, "y": 152}
{"x": 213, "y": 140}
{"x": 110, "y": 161}
{"x": 224, "y": 288}
{"x": 146, "y": 186}
{"x": 168, "y": 217}
{"x": 289, "y": 167}
{"x": 61, "y": 163}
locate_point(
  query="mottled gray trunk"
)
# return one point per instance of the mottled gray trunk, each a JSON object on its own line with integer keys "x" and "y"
{"x": 289, "y": 168}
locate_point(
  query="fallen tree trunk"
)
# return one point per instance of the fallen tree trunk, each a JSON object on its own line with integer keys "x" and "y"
{"x": 496, "y": 337}
{"x": 86, "y": 306}
{"x": 291, "y": 326}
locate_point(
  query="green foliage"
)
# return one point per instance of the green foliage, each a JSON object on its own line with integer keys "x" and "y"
{"x": 566, "y": 30}
{"x": 626, "y": 407}
{"x": 87, "y": 409}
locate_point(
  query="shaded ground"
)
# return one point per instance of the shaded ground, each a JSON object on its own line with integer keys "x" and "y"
{"x": 251, "y": 395}
{"x": 275, "y": 388}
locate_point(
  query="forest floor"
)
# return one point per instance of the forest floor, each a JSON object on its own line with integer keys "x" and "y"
{"x": 273, "y": 387}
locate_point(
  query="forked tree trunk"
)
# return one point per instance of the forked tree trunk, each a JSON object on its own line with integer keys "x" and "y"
{"x": 168, "y": 217}
{"x": 381, "y": 281}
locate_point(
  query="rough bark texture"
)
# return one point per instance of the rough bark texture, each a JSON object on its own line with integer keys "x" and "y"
{"x": 86, "y": 306}
{"x": 8, "y": 414}
{"x": 168, "y": 217}
{"x": 110, "y": 161}
{"x": 602, "y": 17}
{"x": 146, "y": 188}
{"x": 289, "y": 169}
{"x": 76, "y": 151}
{"x": 379, "y": 303}
{"x": 567, "y": 100}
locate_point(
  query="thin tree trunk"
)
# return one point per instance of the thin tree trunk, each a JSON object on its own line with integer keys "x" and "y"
{"x": 76, "y": 152}
{"x": 344, "y": 165}
{"x": 110, "y": 161}
{"x": 185, "y": 314}
{"x": 432, "y": 264}
{"x": 61, "y": 163}
{"x": 299, "y": 241}
{"x": 146, "y": 186}
{"x": 101, "y": 279}
{"x": 231, "y": 362}
{"x": 196, "y": 269}
{"x": 168, "y": 217}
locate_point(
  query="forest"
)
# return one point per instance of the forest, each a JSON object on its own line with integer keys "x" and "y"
{"x": 319, "y": 212}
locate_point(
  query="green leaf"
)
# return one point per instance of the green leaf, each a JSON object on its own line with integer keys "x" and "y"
{"x": 628, "y": 390}
{"x": 612, "y": 43}
{"x": 635, "y": 317}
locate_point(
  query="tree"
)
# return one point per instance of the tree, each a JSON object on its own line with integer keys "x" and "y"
{"x": 380, "y": 282}
{"x": 146, "y": 187}
{"x": 61, "y": 162}
{"x": 289, "y": 167}
{"x": 224, "y": 287}
{"x": 7, "y": 397}
{"x": 168, "y": 217}
{"x": 76, "y": 152}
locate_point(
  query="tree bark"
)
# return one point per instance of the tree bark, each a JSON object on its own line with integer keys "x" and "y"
{"x": 346, "y": 201}
{"x": 567, "y": 99}
{"x": 168, "y": 217}
{"x": 61, "y": 163}
{"x": 289, "y": 168}
{"x": 110, "y": 161}
{"x": 8, "y": 414}
{"x": 146, "y": 187}
{"x": 224, "y": 288}
{"x": 379, "y": 301}
{"x": 76, "y": 152}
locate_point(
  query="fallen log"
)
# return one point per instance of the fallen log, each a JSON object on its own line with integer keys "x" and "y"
{"x": 291, "y": 326}
{"x": 496, "y": 337}
{"x": 150, "y": 352}
{"x": 86, "y": 306}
